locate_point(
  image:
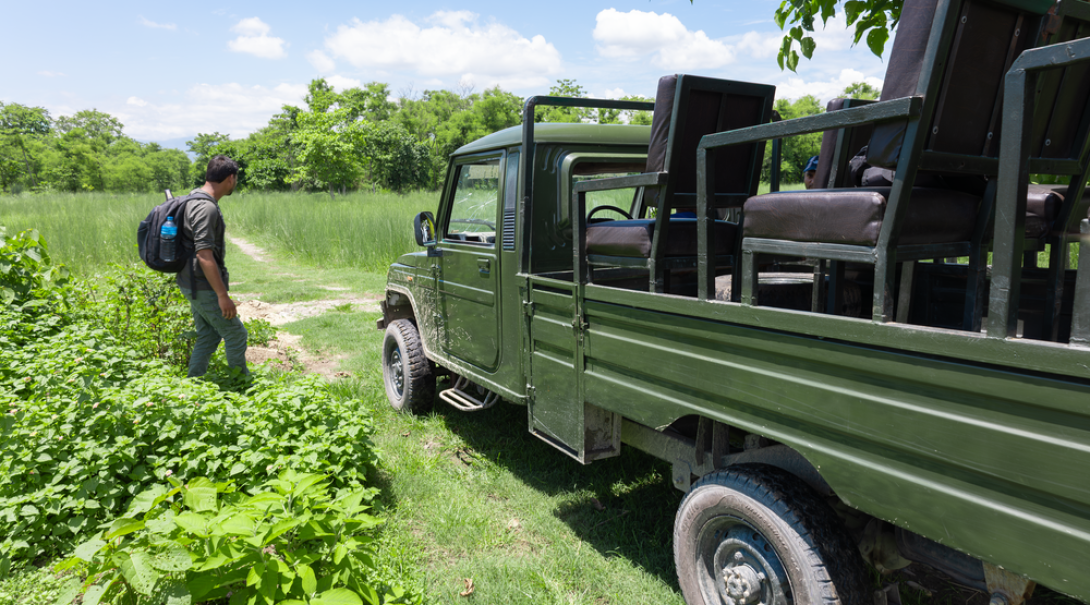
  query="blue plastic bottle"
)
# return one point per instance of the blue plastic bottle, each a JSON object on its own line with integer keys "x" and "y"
{"x": 168, "y": 236}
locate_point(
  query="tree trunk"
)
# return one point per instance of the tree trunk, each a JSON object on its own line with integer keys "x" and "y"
{"x": 331, "y": 191}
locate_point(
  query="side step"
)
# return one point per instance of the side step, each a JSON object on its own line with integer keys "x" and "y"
{"x": 460, "y": 399}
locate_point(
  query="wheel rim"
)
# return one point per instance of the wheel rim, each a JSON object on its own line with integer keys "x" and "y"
{"x": 738, "y": 566}
{"x": 397, "y": 370}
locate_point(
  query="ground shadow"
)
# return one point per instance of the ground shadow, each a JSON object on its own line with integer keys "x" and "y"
{"x": 630, "y": 509}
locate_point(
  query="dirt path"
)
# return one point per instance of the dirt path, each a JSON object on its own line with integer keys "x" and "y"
{"x": 286, "y": 349}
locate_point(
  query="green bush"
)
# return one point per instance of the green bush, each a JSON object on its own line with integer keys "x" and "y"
{"x": 90, "y": 417}
{"x": 78, "y": 447}
{"x": 27, "y": 277}
{"x": 293, "y": 542}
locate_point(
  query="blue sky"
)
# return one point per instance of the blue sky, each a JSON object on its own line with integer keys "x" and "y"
{"x": 171, "y": 70}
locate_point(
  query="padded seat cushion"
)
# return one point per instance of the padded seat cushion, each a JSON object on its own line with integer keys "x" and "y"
{"x": 632, "y": 238}
{"x": 854, "y": 216}
{"x": 1043, "y": 203}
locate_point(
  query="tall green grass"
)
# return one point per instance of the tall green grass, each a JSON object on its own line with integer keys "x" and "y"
{"x": 367, "y": 231}
{"x": 85, "y": 231}
{"x": 360, "y": 230}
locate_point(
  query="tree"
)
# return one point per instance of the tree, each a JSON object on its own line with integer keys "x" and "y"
{"x": 564, "y": 88}
{"x": 204, "y": 147}
{"x": 862, "y": 90}
{"x": 369, "y": 103}
{"x": 874, "y": 19}
{"x": 329, "y": 149}
{"x": 320, "y": 96}
{"x": 97, "y": 125}
{"x": 18, "y": 123}
{"x": 796, "y": 150}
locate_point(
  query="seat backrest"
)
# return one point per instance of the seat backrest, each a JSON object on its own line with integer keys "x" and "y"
{"x": 1060, "y": 129}
{"x": 955, "y": 54}
{"x": 840, "y": 145}
{"x": 689, "y": 107}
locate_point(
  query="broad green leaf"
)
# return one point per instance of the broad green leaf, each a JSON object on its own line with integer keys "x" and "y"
{"x": 306, "y": 578}
{"x": 262, "y": 499}
{"x": 337, "y": 596}
{"x": 852, "y": 10}
{"x": 201, "y": 585}
{"x": 88, "y": 549}
{"x": 793, "y": 60}
{"x": 238, "y": 468}
{"x": 339, "y": 553}
{"x": 172, "y": 557}
{"x": 253, "y": 578}
{"x": 94, "y": 594}
{"x": 876, "y": 40}
{"x": 292, "y": 602}
{"x": 280, "y": 529}
{"x": 201, "y": 498}
{"x": 304, "y": 483}
{"x": 269, "y": 584}
{"x": 192, "y": 523}
{"x": 68, "y": 592}
{"x": 808, "y": 46}
{"x": 145, "y": 500}
{"x": 239, "y": 524}
{"x": 137, "y": 570}
{"x": 796, "y": 33}
{"x": 177, "y": 594}
{"x": 123, "y": 527}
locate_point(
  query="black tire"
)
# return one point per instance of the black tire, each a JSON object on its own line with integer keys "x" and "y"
{"x": 408, "y": 374}
{"x": 761, "y": 528}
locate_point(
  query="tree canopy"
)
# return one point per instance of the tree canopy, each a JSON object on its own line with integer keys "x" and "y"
{"x": 872, "y": 19}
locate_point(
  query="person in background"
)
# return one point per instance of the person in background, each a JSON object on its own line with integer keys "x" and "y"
{"x": 809, "y": 172}
{"x": 204, "y": 281}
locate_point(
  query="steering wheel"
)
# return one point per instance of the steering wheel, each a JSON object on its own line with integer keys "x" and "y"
{"x": 619, "y": 211}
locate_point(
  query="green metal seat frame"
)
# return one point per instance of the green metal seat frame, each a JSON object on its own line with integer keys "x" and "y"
{"x": 666, "y": 187}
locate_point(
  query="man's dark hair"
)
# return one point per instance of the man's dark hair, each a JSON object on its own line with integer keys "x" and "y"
{"x": 219, "y": 168}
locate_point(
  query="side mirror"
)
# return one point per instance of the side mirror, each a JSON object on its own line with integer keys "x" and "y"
{"x": 424, "y": 229}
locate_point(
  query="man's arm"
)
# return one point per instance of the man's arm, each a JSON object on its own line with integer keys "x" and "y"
{"x": 212, "y": 274}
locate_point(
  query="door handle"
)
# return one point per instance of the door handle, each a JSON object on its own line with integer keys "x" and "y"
{"x": 484, "y": 266}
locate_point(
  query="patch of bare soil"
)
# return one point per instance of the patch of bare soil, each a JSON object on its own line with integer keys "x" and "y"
{"x": 279, "y": 314}
{"x": 249, "y": 249}
{"x": 285, "y": 351}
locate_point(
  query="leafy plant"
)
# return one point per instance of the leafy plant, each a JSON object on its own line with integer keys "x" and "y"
{"x": 259, "y": 332}
{"x": 142, "y": 308}
{"x": 27, "y": 277}
{"x": 294, "y": 542}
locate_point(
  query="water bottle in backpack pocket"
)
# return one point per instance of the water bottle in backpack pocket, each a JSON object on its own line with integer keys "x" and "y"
{"x": 168, "y": 239}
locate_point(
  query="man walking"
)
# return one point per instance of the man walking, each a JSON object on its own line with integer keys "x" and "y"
{"x": 204, "y": 280}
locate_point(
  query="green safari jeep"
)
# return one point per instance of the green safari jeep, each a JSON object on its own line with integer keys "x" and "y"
{"x": 626, "y": 285}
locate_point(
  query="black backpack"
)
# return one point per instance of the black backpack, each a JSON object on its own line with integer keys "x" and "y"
{"x": 147, "y": 234}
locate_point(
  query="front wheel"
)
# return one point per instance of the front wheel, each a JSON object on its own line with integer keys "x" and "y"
{"x": 756, "y": 535}
{"x": 409, "y": 375}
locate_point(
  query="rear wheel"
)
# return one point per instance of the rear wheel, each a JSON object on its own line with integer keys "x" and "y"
{"x": 408, "y": 374}
{"x": 756, "y": 535}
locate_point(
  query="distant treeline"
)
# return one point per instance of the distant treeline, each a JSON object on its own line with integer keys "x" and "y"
{"x": 355, "y": 139}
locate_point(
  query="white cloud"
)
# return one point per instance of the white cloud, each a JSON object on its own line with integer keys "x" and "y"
{"x": 228, "y": 108}
{"x": 321, "y": 61}
{"x": 51, "y": 74}
{"x": 149, "y": 23}
{"x": 453, "y": 46}
{"x": 254, "y": 40}
{"x": 671, "y": 45}
{"x": 761, "y": 45}
{"x": 794, "y": 87}
{"x": 341, "y": 83}
{"x": 613, "y": 93}
{"x": 136, "y": 101}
